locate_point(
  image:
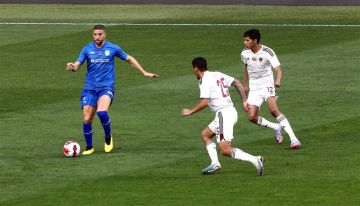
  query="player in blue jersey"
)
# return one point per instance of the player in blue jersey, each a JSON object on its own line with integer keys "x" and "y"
{"x": 98, "y": 91}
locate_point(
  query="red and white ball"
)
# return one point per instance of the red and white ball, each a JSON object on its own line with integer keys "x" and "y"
{"x": 71, "y": 149}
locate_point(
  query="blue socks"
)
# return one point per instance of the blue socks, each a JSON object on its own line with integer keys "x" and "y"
{"x": 87, "y": 129}
{"x": 105, "y": 121}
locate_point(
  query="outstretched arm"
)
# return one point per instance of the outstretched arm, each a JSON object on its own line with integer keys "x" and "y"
{"x": 201, "y": 105}
{"x": 73, "y": 66}
{"x": 241, "y": 91}
{"x": 135, "y": 64}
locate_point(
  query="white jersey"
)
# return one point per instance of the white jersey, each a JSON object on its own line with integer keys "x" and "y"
{"x": 215, "y": 87}
{"x": 259, "y": 66}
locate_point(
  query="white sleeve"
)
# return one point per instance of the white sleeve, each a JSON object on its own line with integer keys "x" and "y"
{"x": 243, "y": 58}
{"x": 274, "y": 60}
{"x": 204, "y": 89}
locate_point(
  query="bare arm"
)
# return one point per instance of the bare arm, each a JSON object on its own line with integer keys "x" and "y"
{"x": 136, "y": 65}
{"x": 201, "y": 105}
{"x": 278, "y": 71}
{"x": 241, "y": 91}
{"x": 246, "y": 81}
{"x": 73, "y": 66}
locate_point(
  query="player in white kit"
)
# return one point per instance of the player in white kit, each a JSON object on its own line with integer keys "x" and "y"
{"x": 260, "y": 61}
{"x": 214, "y": 92}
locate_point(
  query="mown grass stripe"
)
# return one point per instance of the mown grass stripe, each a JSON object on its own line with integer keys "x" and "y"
{"x": 178, "y": 24}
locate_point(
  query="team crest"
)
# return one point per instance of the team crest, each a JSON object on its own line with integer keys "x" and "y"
{"x": 260, "y": 59}
{"x": 107, "y": 53}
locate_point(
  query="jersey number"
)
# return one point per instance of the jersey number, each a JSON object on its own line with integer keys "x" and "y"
{"x": 224, "y": 87}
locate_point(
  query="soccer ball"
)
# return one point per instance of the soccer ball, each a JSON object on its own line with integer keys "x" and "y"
{"x": 71, "y": 149}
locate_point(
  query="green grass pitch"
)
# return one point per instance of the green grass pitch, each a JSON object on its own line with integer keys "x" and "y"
{"x": 158, "y": 154}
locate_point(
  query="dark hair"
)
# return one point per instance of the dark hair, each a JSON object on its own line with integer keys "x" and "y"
{"x": 253, "y": 34}
{"x": 99, "y": 27}
{"x": 200, "y": 63}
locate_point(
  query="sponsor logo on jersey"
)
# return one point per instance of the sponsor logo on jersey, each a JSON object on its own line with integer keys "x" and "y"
{"x": 100, "y": 60}
{"x": 253, "y": 58}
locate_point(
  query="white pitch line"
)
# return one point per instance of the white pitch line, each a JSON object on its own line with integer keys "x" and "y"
{"x": 180, "y": 24}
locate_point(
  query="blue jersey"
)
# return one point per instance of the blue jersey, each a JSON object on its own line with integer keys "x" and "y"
{"x": 100, "y": 64}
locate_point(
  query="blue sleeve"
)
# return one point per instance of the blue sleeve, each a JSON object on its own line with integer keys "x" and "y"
{"x": 82, "y": 56}
{"x": 120, "y": 53}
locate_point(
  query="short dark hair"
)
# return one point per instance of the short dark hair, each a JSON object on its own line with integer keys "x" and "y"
{"x": 200, "y": 63}
{"x": 99, "y": 27}
{"x": 253, "y": 34}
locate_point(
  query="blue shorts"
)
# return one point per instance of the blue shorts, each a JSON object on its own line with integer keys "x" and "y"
{"x": 90, "y": 96}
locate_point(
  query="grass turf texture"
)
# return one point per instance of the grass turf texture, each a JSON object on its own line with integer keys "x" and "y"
{"x": 158, "y": 154}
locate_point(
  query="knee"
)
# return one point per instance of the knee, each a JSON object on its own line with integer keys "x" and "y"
{"x": 253, "y": 118}
{"x": 88, "y": 119}
{"x": 275, "y": 112}
{"x": 226, "y": 152}
{"x": 204, "y": 136}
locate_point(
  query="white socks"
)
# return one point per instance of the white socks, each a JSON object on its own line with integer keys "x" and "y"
{"x": 265, "y": 123}
{"x": 238, "y": 154}
{"x": 284, "y": 123}
{"x": 211, "y": 149}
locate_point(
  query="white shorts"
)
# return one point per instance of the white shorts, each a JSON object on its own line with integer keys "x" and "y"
{"x": 223, "y": 124}
{"x": 257, "y": 97}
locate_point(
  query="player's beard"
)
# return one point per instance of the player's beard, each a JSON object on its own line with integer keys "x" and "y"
{"x": 99, "y": 42}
